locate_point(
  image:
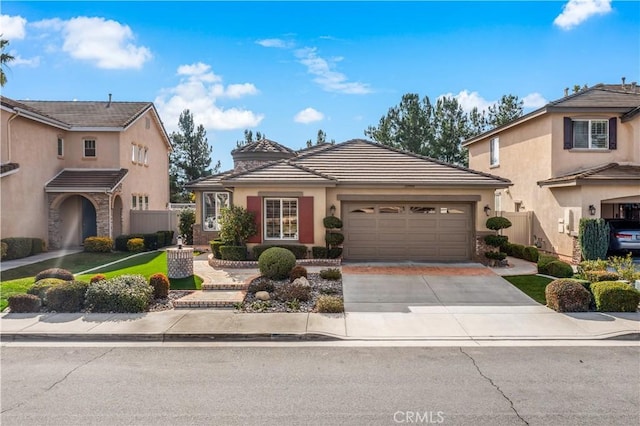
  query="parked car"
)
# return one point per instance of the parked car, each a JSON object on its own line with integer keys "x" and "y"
{"x": 624, "y": 235}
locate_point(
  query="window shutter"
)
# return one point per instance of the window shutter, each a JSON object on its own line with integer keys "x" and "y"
{"x": 305, "y": 217}
{"x": 568, "y": 133}
{"x": 254, "y": 205}
{"x": 613, "y": 133}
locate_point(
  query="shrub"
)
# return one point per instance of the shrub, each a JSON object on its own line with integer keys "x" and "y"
{"x": 319, "y": 252}
{"x": 497, "y": 223}
{"x": 332, "y": 222}
{"x": 187, "y": 219}
{"x": 517, "y": 250}
{"x": 59, "y": 273}
{"x": 160, "y": 284}
{"x": 276, "y": 263}
{"x": 596, "y": 276}
{"x": 331, "y": 274}
{"x": 329, "y": 304}
{"x": 237, "y": 225}
{"x": 17, "y": 247}
{"x": 531, "y": 253}
{"x": 135, "y": 245}
{"x": 121, "y": 242}
{"x": 150, "y": 241}
{"x": 293, "y": 291}
{"x": 215, "y": 248}
{"x": 233, "y": 252}
{"x": 297, "y": 272}
{"x": 593, "y": 237}
{"x": 567, "y": 296}
{"x": 543, "y": 261}
{"x": 160, "y": 238}
{"x": 592, "y": 265}
{"x": 625, "y": 267}
{"x": 126, "y": 293}
{"x": 261, "y": 285}
{"x": 496, "y": 240}
{"x": 98, "y": 244}
{"x": 334, "y": 252}
{"x": 298, "y": 250}
{"x": 507, "y": 248}
{"x": 37, "y": 245}
{"x": 334, "y": 238}
{"x": 41, "y": 286}
{"x": 97, "y": 277}
{"x": 615, "y": 296}
{"x": 559, "y": 269}
{"x": 67, "y": 297}
{"x": 24, "y": 303}
{"x": 495, "y": 255}
{"x": 3, "y": 249}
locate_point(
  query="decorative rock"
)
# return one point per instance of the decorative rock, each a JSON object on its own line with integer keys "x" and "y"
{"x": 302, "y": 281}
{"x": 263, "y": 295}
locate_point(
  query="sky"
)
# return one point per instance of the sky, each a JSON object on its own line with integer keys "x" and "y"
{"x": 288, "y": 69}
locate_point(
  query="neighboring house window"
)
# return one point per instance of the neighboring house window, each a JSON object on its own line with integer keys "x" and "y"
{"x": 60, "y": 147}
{"x": 89, "y": 148}
{"x": 134, "y": 202}
{"x": 146, "y": 202}
{"x": 133, "y": 153}
{"x": 140, "y": 155}
{"x": 281, "y": 218}
{"x": 494, "y": 152}
{"x": 146, "y": 156}
{"x": 140, "y": 202}
{"x": 212, "y": 203}
{"x": 590, "y": 133}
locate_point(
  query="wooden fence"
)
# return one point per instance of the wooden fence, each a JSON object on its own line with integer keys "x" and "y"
{"x": 149, "y": 221}
{"x": 521, "y": 230}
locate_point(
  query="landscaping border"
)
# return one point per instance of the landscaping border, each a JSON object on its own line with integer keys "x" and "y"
{"x": 219, "y": 263}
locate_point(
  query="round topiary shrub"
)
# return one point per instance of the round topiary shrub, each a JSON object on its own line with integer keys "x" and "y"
{"x": 276, "y": 263}
{"x": 567, "y": 296}
{"x": 160, "y": 284}
{"x": 67, "y": 297}
{"x": 59, "y": 273}
{"x": 496, "y": 240}
{"x": 615, "y": 296}
{"x": 559, "y": 269}
{"x": 497, "y": 223}
{"x": 334, "y": 238}
{"x": 135, "y": 245}
{"x": 97, "y": 277}
{"x": 332, "y": 222}
{"x": 24, "y": 303}
{"x": 297, "y": 272}
{"x": 125, "y": 293}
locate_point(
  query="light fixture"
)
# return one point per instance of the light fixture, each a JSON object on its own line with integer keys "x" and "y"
{"x": 592, "y": 210}
{"x": 487, "y": 209}
{"x": 332, "y": 210}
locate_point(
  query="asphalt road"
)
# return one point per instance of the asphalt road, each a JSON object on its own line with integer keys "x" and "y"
{"x": 298, "y": 385}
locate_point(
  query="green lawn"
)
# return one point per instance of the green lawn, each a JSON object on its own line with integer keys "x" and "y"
{"x": 145, "y": 264}
{"x": 532, "y": 285}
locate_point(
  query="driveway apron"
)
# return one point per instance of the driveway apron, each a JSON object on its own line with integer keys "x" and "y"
{"x": 405, "y": 287}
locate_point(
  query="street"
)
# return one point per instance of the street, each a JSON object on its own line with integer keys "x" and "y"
{"x": 324, "y": 385}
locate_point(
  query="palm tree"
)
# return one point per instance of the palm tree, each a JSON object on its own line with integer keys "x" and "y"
{"x": 5, "y": 58}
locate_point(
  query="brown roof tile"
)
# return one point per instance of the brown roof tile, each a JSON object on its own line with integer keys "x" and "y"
{"x": 86, "y": 180}
{"x": 7, "y": 167}
{"x": 263, "y": 145}
{"x": 604, "y": 173}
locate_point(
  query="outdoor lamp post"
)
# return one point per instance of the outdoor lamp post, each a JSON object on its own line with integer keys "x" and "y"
{"x": 179, "y": 242}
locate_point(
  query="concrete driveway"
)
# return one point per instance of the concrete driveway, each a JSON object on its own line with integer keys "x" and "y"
{"x": 412, "y": 287}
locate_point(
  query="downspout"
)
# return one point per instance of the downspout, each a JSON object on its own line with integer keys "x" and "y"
{"x": 15, "y": 114}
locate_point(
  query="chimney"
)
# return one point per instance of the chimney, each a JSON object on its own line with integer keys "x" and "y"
{"x": 623, "y": 79}
{"x": 566, "y": 92}
{"x": 109, "y": 104}
{"x": 634, "y": 87}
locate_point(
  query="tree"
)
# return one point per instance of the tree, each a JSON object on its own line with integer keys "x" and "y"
{"x": 190, "y": 158}
{"x": 248, "y": 138}
{"x": 320, "y": 139}
{"x": 507, "y": 109}
{"x": 5, "y": 58}
{"x": 450, "y": 128}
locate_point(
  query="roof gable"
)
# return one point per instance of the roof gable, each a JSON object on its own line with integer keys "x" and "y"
{"x": 263, "y": 145}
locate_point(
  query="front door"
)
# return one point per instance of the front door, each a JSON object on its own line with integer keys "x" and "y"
{"x": 89, "y": 225}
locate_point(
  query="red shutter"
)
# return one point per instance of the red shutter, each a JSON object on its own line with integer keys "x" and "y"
{"x": 613, "y": 133}
{"x": 305, "y": 219}
{"x": 568, "y": 133}
{"x": 254, "y": 205}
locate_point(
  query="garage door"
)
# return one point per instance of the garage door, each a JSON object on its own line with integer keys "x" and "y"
{"x": 437, "y": 232}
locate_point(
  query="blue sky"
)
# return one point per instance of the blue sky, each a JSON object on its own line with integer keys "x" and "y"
{"x": 288, "y": 69}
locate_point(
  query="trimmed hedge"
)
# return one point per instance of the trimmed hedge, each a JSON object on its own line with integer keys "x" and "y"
{"x": 215, "y": 248}
{"x": 276, "y": 263}
{"x": 319, "y": 252}
{"x": 233, "y": 252}
{"x": 38, "y": 246}
{"x": 18, "y": 247}
{"x": 543, "y": 261}
{"x": 332, "y": 222}
{"x": 531, "y": 253}
{"x": 558, "y": 269}
{"x": 298, "y": 250}
{"x": 150, "y": 241}
{"x": 496, "y": 240}
{"x": 497, "y": 223}
{"x": 59, "y": 273}
{"x": 23, "y": 303}
{"x": 125, "y": 293}
{"x": 334, "y": 252}
{"x": 334, "y": 238}
{"x": 41, "y": 286}
{"x": 615, "y": 296}
{"x": 67, "y": 297}
{"x": 3, "y": 249}
{"x": 567, "y": 296}
{"x": 98, "y": 244}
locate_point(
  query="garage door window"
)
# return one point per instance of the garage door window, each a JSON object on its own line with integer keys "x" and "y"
{"x": 422, "y": 210}
{"x": 281, "y": 218}
{"x": 391, "y": 209}
{"x": 451, "y": 210}
{"x": 365, "y": 210}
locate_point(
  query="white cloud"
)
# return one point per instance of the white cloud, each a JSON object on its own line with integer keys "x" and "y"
{"x": 106, "y": 43}
{"x": 12, "y": 27}
{"x": 198, "y": 90}
{"x": 308, "y": 115}
{"x": 469, "y": 100}
{"x": 533, "y": 101}
{"x": 326, "y": 77}
{"x": 576, "y": 12}
{"x": 27, "y": 62}
{"x": 275, "y": 42}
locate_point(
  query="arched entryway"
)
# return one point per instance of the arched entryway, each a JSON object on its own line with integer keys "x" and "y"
{"x": 77, "y": 220}
{"x": 117, "y": 215}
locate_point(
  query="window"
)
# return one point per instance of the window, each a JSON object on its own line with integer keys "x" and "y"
{"x": 591, "y": 134}
{"x": 146, "y": 202}
{"x": 133, "y": 153}
{"x": 134, "y": 202}
{"x": 281, "y": 218}
{"x": 391, "y": 209}
{"x": 146, "y": 156}
{"x": 89, "y": 148}
{"x": 495, "y": 152}
{"x": 212, "y": 203}
{"x": 140, "y": 155}
{"x": 60, "y": 147}
{"x": 140, "y": 202}
{"x": 422, "y": 210}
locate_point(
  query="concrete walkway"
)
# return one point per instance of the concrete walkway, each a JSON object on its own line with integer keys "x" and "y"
{"x": 5, "y": 265}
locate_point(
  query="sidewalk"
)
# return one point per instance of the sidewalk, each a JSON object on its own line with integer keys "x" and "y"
{"x": 5, "y": 265}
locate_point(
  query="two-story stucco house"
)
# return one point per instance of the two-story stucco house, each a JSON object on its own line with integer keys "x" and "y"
{"x": 578, "y": 156}
{"x": 71, "y": 170}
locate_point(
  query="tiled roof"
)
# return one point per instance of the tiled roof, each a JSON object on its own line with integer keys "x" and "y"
{"x": 210, "y": 183}
{"x": 8, "y": 167}
{"x": 282, "y": 171}
{"x": 263, "y": 145}
{"x": 89, "y": 114}
{"x": 86, "y": 180}
{"x": 604, "y": 173}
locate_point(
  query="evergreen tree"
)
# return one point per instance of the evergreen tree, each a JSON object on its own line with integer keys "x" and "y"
{"x": 248, "y": 138}
{"x": 5, "y": 58}
{"x": 508, "y": 108}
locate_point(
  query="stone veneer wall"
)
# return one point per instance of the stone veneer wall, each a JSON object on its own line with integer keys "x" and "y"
{"x": 481, "y": 248}
{"x": 202, "y": 237}
{"x": 576, "y": 257}
{"x": 100, "y": 201}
